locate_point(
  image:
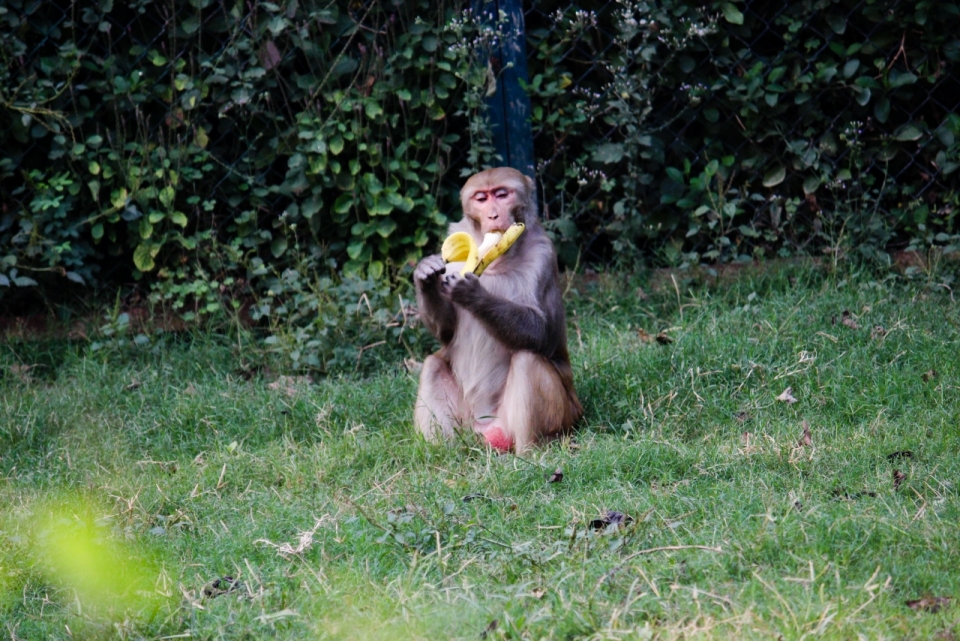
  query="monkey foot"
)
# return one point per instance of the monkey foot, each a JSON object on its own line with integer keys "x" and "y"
{"x": 498, "y": 440}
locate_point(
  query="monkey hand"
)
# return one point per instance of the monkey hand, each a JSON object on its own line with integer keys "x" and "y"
{"x": 429, "y": 270}
{"x": 465, "y": 290}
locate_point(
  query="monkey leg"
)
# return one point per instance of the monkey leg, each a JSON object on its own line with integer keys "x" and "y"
{"x": 535, "y": 405}
{"x": 439, "y": 408}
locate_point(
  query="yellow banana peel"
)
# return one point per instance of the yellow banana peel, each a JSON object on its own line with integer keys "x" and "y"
{"x": 460, "y": 246}
{"x": 509, "y": 237}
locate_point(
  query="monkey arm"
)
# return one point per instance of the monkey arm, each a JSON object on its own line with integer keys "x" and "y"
{"x": 436, "y": 309}
{"x": 518, "y": 327}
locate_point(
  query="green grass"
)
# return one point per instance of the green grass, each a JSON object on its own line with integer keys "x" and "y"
{"x": 179, "y": 471}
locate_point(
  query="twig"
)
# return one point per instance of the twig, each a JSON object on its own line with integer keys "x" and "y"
{"x": 665, "y": 548}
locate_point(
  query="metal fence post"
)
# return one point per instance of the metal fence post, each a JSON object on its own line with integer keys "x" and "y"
{"x": 509, "y": 107}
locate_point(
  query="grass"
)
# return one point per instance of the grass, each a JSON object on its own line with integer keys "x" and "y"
{"x": 164, "y": 468}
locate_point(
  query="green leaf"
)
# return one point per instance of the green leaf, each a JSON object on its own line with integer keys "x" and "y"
{"x": 882, "y": 110}
{"x": 901, "y": 78}
{"x": 343, "y": 203}
{"x": 355, "y": 249}
{"x": 278, "y": 246}
{"x": 731, "y": 13}
{"x": 675, "y": 175}
{"x": 179, "y": 218}
{"x": 372, "y": 109}
{"x": 118, "y": 198}
{"x": 146, "y": 229}
{"x": 851, "y": 67}
{"x": 24, "y": 281}
{"x": 167, "y": 195}
{"x": 863, "y": 96}
{"x": 386, "y": 227}
{"x": 837, "y": 22}
{"x": 97, "y": 231}
{"x": 775, "y": 176}
{"x": 143, "y": 257}
{"x": 608, "y": 152}
{"x": 336, "y": 145}
{"x": 908, "y": 133}
{"x": 376, "y": 270}
{"x": 810, "y": 185}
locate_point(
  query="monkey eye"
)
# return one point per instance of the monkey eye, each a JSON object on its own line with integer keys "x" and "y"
{"x": 480, "y": 196}
{"x": 501, "y": 193}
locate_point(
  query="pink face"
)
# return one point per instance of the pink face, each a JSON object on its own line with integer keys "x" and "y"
{"x": 493, "y": 208}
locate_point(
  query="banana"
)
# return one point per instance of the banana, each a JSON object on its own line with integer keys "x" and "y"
{"x": 509, "y": 237}
{"x": 460, "y": 246}
{"x": 489, "y": 240}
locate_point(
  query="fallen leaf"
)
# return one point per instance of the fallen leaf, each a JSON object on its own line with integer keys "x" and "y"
{"x": 806, "y": 440}
{"x": 248, "y": 373}
{"x": 290, "y": 385}
{"x": 878, "y": 332}
{"x": 222, "y": 585}
{"x": 899, "y": 455}
{"x": 412, "y": 365}
{"x": 787, "y": 396}
{"x": 741, "y": 416}
{"x": 663, "y": 339}
{"x": 842, "y": 493}
{"x": 556, "y": 477}
{"x": 538, "y": 593}
{"x": 929, "y": 603}
{"x": 847, "y": 319}
{"x": 134, "y": 384}
{"x": 22, "y": 372}
{"x": 191, "y": 390}
{"x": 491, "y": 627}
{"x": 616, "y": 519}
{"x": 898, "y": 478}
{"x": 746, "y": 439}
{"x": 644, "y": 335}
{"x": 929, "y": 375}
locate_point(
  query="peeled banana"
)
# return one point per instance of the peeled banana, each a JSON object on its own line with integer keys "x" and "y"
{"x": 460, "y": 246}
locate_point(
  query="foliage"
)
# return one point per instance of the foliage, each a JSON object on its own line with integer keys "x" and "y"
{"x": 196, "y": 137}
{"x": 722, "y": 131}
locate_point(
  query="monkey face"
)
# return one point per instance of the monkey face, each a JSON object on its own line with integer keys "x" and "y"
{"x": 496, "y": 198}
{"x": 494, "y": 209}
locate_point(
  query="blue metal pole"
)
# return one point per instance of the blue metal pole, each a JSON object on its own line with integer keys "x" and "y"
{"x": 509, "y": 107}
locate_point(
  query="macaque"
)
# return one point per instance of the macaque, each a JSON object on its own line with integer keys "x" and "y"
{"x": 503, "y": 369}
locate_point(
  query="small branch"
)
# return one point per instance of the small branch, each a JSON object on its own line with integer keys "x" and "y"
{"x": 665, "y": 548}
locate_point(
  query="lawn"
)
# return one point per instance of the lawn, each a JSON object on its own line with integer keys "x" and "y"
{"x": 781, "y": 462}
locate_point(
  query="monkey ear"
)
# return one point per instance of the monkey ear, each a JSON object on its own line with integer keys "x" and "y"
{"x": 528, "y": 182}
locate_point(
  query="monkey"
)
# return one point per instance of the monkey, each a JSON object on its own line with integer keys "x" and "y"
{"x": 503, "y": 369}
